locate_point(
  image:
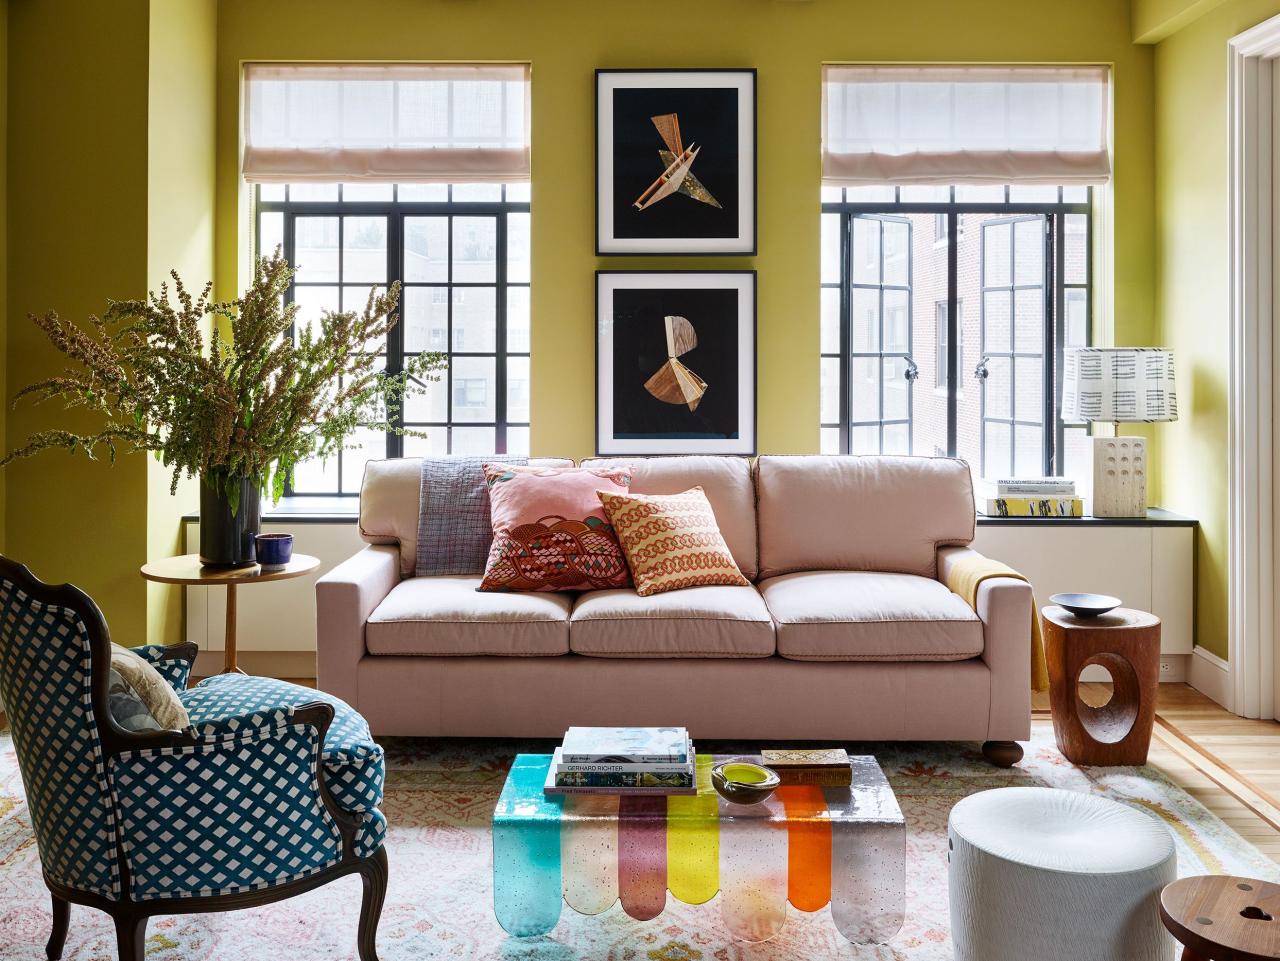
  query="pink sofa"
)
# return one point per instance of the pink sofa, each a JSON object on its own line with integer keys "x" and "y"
{"x": 847, "y": 634}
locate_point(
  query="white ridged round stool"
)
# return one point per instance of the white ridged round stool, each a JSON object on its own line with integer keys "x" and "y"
{"x": 1039, "y": 874}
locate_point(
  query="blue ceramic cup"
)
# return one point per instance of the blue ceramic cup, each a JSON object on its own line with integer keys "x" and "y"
{"x": 274, "y": 550}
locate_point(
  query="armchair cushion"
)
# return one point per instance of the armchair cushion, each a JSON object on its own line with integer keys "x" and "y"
{"x": 353, "y": 763}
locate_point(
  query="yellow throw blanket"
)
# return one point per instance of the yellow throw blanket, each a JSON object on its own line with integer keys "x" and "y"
{"x": 963, "y": 579}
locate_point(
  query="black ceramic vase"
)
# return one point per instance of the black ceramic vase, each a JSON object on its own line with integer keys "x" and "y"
{"x": 226, "y": 534}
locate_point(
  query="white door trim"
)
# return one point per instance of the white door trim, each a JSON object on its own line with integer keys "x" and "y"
{"x": 1251, "y": 494}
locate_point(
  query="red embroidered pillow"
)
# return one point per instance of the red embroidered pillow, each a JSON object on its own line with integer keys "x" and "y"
{"x": 550, "y": 532}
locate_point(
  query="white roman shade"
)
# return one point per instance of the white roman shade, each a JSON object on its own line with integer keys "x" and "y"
{"x": 387, "y": 123}
{"x": 906, "y": 124}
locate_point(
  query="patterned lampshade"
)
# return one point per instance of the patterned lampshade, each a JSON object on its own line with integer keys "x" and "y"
{"x": 1114, "y": 384}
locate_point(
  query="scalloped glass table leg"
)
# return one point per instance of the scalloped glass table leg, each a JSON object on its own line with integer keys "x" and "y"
{"x": 589, "y": 852}
{"x": 868, "y": 880}
{"x": 642, "y": 856}
{"x": 753, "y": 870}
{"x": 527, "y": 886}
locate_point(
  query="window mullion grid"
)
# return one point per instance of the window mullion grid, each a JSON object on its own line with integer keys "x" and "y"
{"x": 1053, "y": 306}
{"x": 911, "y": 327}
{"x": 395, "y": 336}
{"x": 500, "y": 333}
{"x": 448, "y": 307}
{"x": 395, "y": 213}
{"x": 846, "y": 333}
{"x": 341, "y": 295}
{"x": 880, "y": 340}
{"x": 953, "y": 328}
{"x": 1013, "y": 347}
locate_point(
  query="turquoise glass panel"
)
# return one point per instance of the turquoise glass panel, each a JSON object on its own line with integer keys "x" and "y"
{"x": 527, "y": 892}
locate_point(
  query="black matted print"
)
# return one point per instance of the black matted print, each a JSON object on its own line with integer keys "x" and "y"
{"x": 676, "y": 362}
{"x": 675, "y": 161}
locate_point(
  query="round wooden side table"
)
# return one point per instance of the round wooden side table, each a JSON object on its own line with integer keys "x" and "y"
{"x": 1220, "y": 918}
{"x": 187, "y": 569}
{"x": 1127, "y": 644}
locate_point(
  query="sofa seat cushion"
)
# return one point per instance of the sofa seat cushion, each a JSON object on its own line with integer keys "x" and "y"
{"x": 353, "y": 762}
{"x": 709, "y": 621}
{"x": 870, "y": 616}
{"x": 443, "y": 616}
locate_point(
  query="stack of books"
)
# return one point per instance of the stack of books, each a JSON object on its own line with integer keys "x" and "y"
{"x": 623, "y": 760}
{"x": 1033, "y": 497}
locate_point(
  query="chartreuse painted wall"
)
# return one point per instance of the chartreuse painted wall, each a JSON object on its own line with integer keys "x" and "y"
{"x": 107, "y": 151}
{"x": 98, "y": 205}
{"x": 180, "y": 205}
{"x": 787, "y": 42}
{"x": 77, "y": 160}
{"x": 1192, "y": 283}
{"x": 4, "y": 258}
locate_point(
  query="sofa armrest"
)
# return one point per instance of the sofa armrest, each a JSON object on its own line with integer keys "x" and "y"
{"x": 1005, "y": 606}
{"x": 345, "y": 597}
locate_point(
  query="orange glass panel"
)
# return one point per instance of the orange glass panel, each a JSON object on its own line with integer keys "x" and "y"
{"x": 808, "y": 846}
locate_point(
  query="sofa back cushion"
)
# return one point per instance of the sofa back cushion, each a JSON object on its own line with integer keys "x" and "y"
{"x": 861, "y": 513}
{"x": 389, "y": 497}
{"x": 725, "y": 480}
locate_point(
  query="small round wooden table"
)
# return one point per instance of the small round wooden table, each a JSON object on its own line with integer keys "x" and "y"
{"x": 1220, "y": 918}
{"x": 1127, "y": 644}
{"x": 187, "y": 569}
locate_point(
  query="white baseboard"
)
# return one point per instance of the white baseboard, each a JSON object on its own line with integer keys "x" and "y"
{"x": 1210, "y": 675}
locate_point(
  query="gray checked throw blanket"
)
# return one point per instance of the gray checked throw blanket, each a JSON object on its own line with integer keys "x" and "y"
{"x": 454, "y": 531}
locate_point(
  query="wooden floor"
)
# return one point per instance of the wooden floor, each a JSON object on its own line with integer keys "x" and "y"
{"x": 1228, "y": 763}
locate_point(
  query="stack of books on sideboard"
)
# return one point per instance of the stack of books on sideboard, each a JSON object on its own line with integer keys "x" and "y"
{"x": 623, "y": 760}
{"x": 1032, "y": 497}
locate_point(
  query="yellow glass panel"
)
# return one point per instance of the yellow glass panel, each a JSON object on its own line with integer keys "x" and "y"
{"x": 693, "y": 840}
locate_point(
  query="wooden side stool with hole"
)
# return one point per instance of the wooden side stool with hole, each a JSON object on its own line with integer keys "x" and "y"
{"x": 1127, "y": 644}
{"x": 1220, "y": 918}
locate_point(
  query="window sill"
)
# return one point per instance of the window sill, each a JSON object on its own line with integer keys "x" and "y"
{"x": 316, "y": 509}
{"x": 1155, "y": 517}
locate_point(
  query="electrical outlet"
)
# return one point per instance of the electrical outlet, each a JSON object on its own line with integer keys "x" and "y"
{"x": 1166, "y": 667}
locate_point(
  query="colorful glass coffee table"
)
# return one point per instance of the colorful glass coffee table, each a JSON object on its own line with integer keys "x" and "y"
{"x": 812, "y": 846}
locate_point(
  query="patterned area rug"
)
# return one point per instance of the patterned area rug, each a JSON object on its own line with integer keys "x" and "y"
{"x": 440, "y": 795}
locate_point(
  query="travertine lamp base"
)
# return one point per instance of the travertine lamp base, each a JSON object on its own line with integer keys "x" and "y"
{"x": 1119, "y": 477}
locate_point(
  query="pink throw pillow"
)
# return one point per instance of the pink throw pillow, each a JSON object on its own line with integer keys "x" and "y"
{"x": 550, "y": 532}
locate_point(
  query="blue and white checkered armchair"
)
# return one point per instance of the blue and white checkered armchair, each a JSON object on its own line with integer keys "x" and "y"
{"x": 273, "y": 789}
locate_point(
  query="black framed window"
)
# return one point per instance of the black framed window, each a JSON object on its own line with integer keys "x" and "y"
{"x": 461, "y": 254}
{"x": 893, "y": 321}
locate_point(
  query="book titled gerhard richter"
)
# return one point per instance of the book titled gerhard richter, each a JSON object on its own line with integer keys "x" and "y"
{"x": 634, "y": 782}
{"x": 626, "y": 745}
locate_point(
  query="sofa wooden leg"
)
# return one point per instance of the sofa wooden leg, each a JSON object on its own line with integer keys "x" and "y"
{"x": 58, "y": 934}
{"x": 1002, "y": 753}
{"x": 131, "y": 937}
{"x": 374, "y": 875}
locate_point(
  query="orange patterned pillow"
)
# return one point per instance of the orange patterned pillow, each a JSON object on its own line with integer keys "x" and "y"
{"x": 549, "y": 532}
{"x": 671, "y": 541}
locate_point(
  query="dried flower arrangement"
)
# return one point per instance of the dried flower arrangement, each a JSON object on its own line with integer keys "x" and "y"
{"x": 248, "y": 407}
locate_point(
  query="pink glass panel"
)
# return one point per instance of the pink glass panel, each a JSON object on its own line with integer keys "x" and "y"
{"x": 642, "y": 855}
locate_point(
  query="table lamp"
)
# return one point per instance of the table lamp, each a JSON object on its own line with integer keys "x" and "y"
{"x": 1111, "y": 385}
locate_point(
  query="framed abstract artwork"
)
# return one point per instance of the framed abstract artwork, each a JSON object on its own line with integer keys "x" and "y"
{"x": 676, "y": 161}
{"x": 675, "y": 362}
